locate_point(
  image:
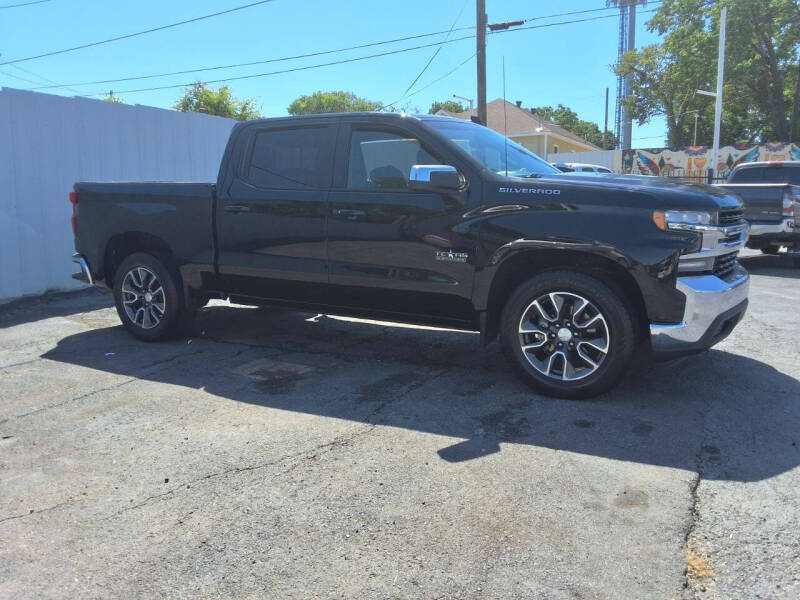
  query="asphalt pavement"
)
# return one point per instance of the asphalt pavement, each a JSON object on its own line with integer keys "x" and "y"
{"x": 273, "y": 454}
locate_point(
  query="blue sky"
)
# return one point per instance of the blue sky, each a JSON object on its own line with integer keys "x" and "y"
{"x": 566, "y": 64}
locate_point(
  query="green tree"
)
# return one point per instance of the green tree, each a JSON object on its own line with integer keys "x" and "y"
{"x": 762, "y": 70}
{"x": 448, "y": 105}
{"x": 565, "y": 117}
{"x": 111, "y": 97}
{"x": 330, "y": 102}
{"x": 220, "y": 102}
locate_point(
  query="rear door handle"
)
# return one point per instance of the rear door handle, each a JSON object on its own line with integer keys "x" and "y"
{"x": 237, "y": 208}
{"x": 350, "y": 213}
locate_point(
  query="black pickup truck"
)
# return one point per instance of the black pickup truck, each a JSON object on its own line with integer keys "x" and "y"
{"x": 771, "y": 195}
{"x": 429, "y": 220}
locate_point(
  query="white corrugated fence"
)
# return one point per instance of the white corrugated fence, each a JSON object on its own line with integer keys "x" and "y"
{"x": 48, "y": 142}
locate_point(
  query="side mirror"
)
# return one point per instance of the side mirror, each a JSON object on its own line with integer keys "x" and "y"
{"x": 435, "y": 178}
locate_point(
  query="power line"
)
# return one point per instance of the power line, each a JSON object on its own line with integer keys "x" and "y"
{"x": 25, "y": 4}
{"x": 597, "y": 18}
{"x": 306, "y": 55}
{"x": 425, "y": 87}
{"x": 305, "y": 68}
{"x": 308, "y": 67}
{"x": 130, "y": 35}
{"x": 436, "y": 52}
{"x": 42, "y": 77}
{"x": 361, "y": 58}
{"x": 580, "y": 12}
{"x": 258, "y": 62}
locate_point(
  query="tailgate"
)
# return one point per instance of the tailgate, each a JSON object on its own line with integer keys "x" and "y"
{"x": 763, "y": 202}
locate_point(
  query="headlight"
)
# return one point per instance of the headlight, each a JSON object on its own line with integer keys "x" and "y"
{"x": 682, "y": 219}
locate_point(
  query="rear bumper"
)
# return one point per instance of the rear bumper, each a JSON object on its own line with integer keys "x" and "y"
{"x": 713, "y": 308}
{"x": 785, "y": 232}
{"x": 85, "y": 274}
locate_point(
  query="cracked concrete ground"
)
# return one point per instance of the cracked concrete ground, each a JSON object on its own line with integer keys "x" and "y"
{"x": 282, "y": 455}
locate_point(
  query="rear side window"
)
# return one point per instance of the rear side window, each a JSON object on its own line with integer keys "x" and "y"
{"x": 784, "y": 174}
{"x": 288, "y": 158}
{"x": 380, "y": 159}
{"x": 603, "y": 170}
{"x": 749, "y": 175}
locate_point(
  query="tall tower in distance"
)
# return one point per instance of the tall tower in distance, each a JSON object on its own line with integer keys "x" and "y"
{"x": 626, "y": 42}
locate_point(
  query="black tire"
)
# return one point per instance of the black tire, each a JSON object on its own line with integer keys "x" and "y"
{"x": 771, "y": 250}
{"x": 173, "y": 301}
{"x": 617, "y": 324}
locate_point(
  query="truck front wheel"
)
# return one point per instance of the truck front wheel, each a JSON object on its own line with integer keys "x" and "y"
{"x": 147, "y": 296}
{"x": 568, "y": 334}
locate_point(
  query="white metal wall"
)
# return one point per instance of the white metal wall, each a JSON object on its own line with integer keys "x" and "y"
{"x": 49, "y": 142}
{"x": 606, "y": 158}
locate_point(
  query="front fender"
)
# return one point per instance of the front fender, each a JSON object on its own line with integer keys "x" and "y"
{"x": 584, "y": 239}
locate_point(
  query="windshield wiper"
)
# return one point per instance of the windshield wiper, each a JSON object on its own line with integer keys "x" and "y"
{"x": 532, "y": 176}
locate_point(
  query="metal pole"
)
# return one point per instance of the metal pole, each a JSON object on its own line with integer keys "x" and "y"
{"x": 480, "y": 7}
{"x": 696, "y": 114}
{"x": 720, "y": 73}
{"x": 627, "y": 121}
{"x": 605, "y": 124}
{"x": 470, "y": 100}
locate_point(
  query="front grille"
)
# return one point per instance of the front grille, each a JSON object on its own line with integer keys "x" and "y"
{"x": 725, "y": 264}
{"x": 731, "y": 216}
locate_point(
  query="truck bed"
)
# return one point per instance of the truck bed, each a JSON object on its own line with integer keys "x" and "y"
{"x": 180, "y": 213}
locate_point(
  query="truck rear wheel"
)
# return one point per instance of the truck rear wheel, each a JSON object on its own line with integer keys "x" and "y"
{"x": 147, "y": 296}
{"x": 569, "y": 335}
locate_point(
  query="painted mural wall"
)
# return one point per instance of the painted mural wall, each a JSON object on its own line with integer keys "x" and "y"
{"x": 694, "y": 160}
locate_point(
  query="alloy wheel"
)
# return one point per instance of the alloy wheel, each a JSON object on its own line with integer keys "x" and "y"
{"x": 564, "y": 336}
{"x": 143, "y": 297}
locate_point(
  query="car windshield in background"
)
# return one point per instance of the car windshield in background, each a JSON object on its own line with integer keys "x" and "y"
{"x": 490, "y": 149}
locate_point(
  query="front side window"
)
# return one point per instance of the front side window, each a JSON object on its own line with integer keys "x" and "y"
{"x": 492, "y": 150}
{"x": 288, "y": 158}
{"x": 380, "y": 159}
{"x": 587, "y": 169}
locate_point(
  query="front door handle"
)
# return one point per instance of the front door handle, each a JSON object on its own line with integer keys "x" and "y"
{"x": 350, "y": 213}
{"x": 237, "y": 208}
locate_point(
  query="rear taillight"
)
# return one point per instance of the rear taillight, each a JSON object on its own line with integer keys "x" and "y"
{"x": 73, "y": 199}
{"x": 787, "y": 210}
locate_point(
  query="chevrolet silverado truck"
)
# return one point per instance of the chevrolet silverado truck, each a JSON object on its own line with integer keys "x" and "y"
{"x": 771, "y": 195}
{"x": 429, "y": 220}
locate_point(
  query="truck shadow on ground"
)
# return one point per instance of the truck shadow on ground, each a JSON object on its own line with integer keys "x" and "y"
{"x": 723, "y": 415}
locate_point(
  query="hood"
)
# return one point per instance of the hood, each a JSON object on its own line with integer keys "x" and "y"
{"x": 634, "y": 190}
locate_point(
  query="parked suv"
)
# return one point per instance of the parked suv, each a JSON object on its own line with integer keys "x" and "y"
{"x": 427, "y": 220}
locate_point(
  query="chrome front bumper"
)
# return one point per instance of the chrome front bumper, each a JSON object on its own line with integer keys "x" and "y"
{"x": 85, "y": 273}
{"x": 713, "y": 308}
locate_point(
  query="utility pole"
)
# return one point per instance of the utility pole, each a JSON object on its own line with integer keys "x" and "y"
{"x": 605, "y": 125}
{"x": 627, "y": 121}
{"x": 696, "y": 115}
{"x": 720, "y": 74}
{"x": 480, "y": 7}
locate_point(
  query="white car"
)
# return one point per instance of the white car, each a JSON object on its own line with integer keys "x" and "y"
{"x": 571, "y": 167}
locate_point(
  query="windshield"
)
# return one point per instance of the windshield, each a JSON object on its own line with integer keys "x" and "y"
{"x": 494, "y": 151}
